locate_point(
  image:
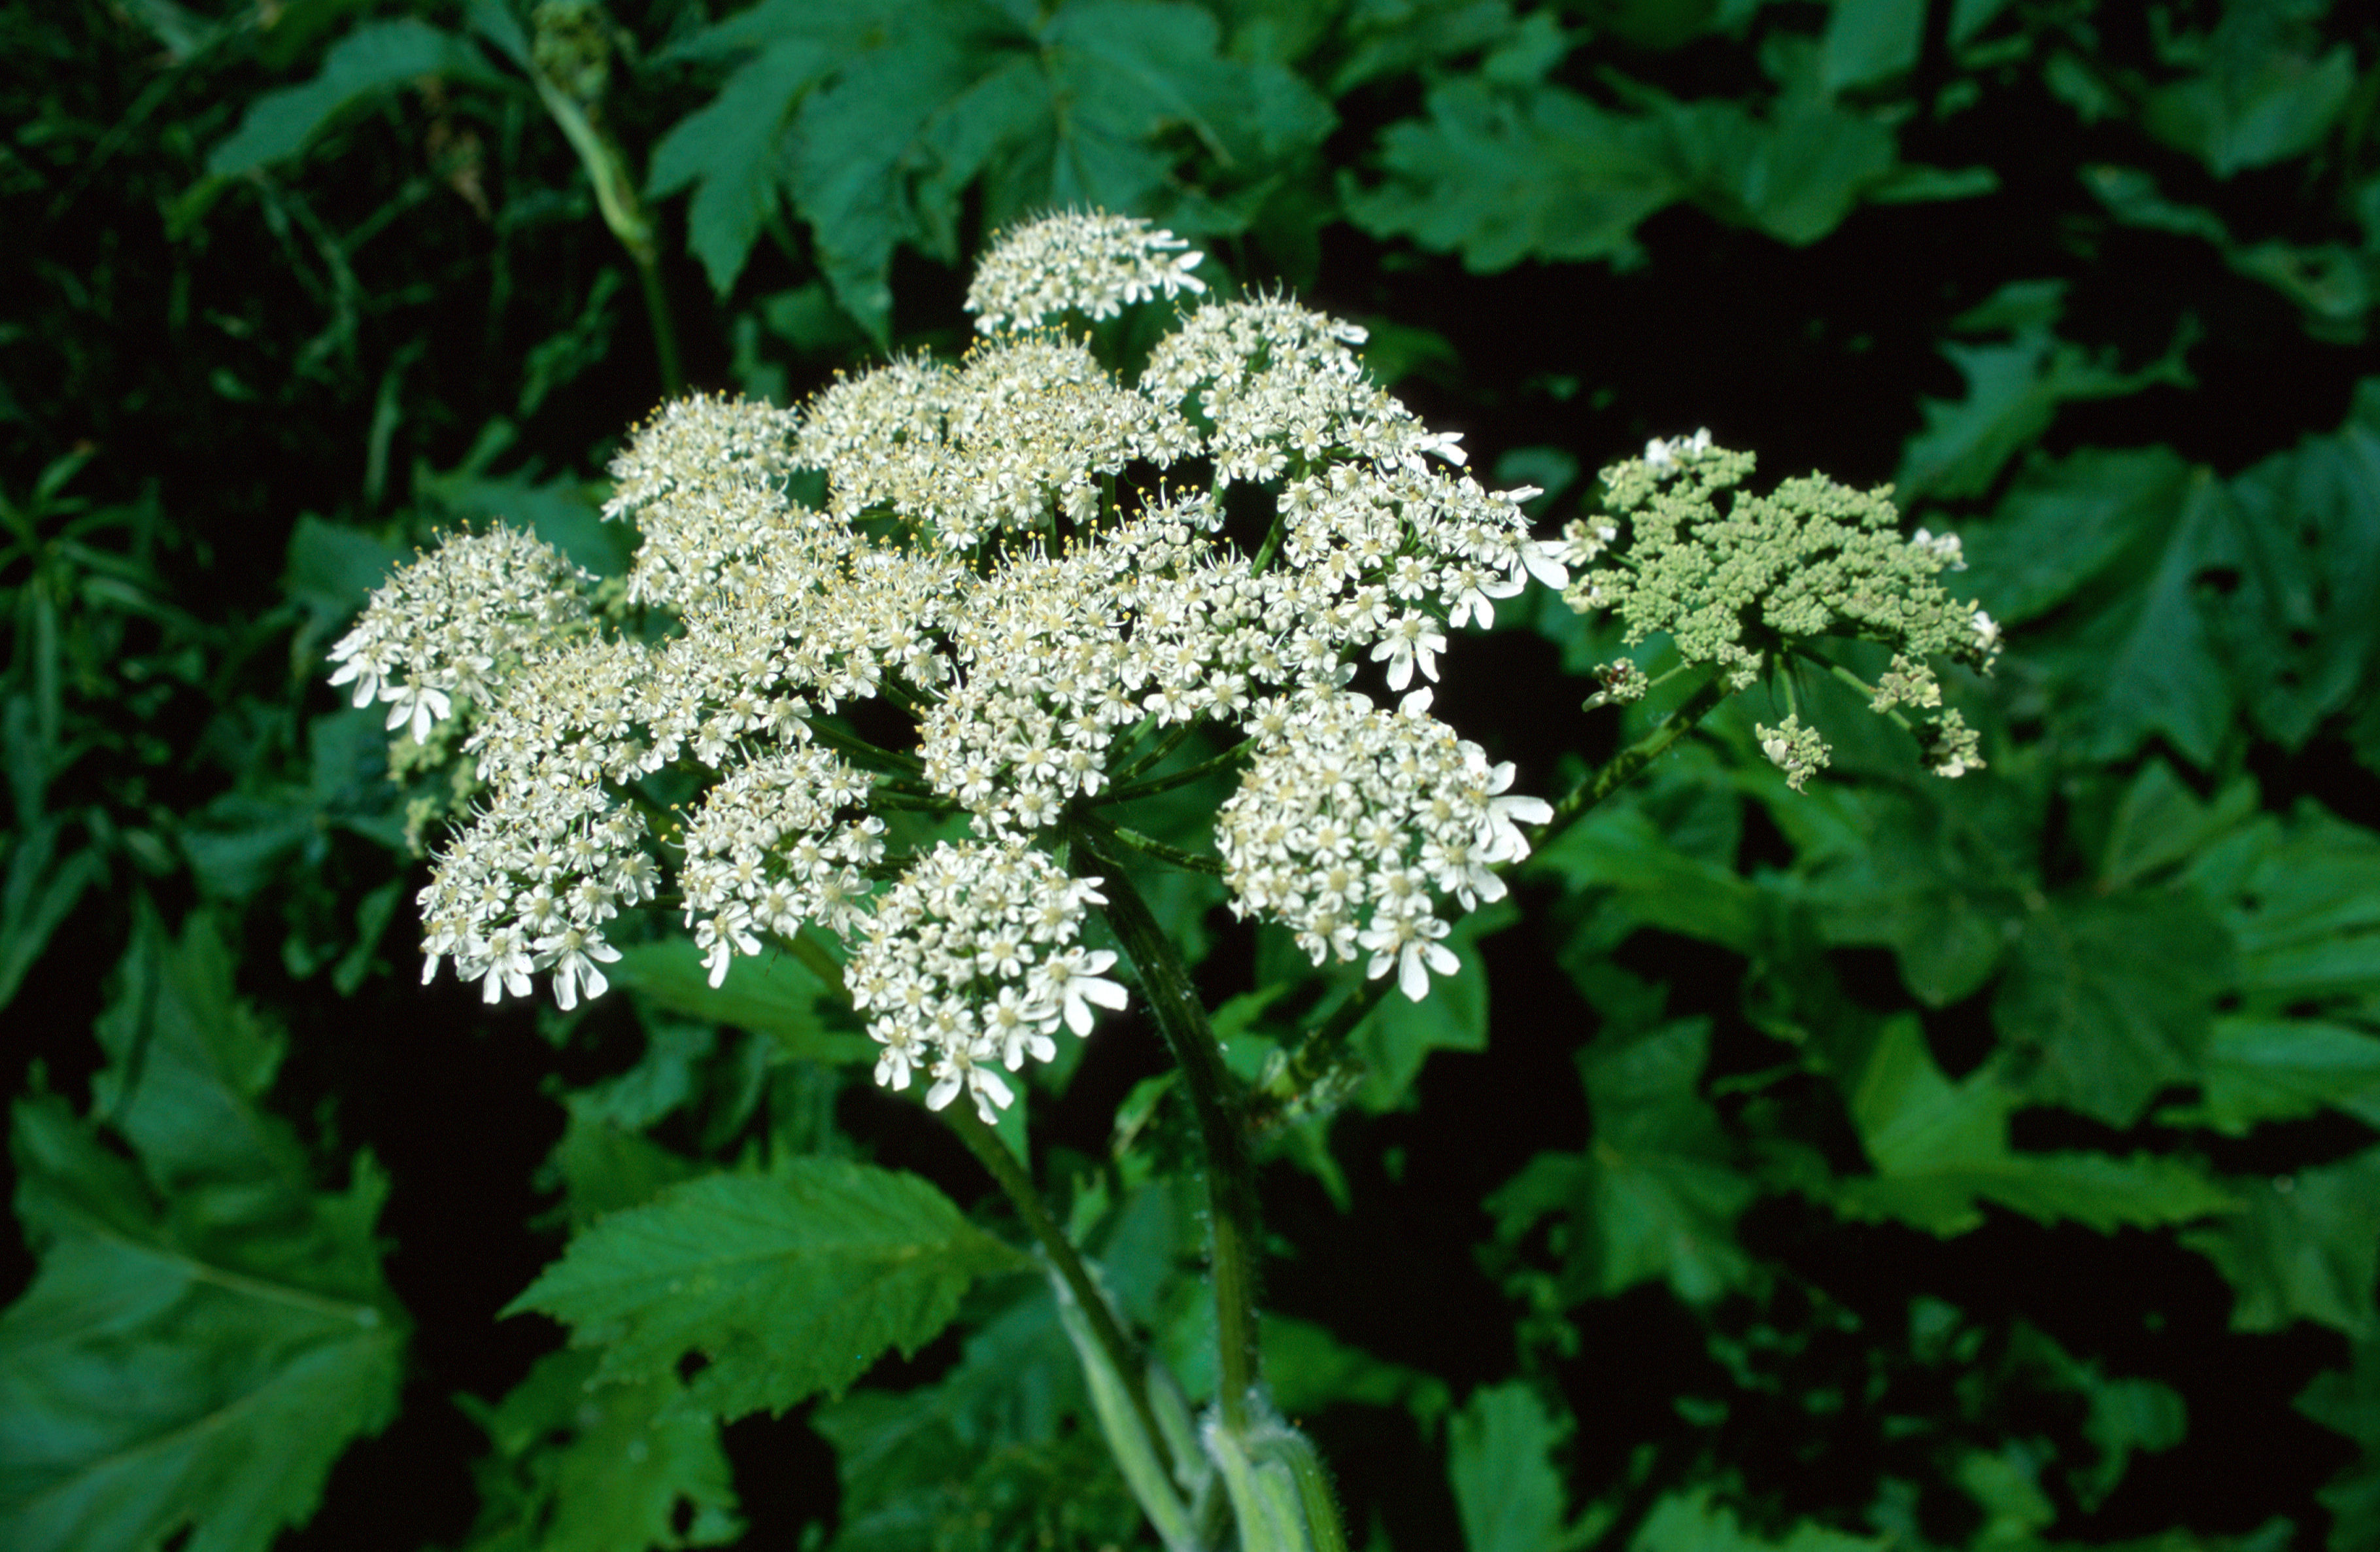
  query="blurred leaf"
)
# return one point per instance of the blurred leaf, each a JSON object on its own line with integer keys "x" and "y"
{"x": 1871, "y": 40}
{"x": 2302, "y": 902}
{"x": 1001, "y": 1451}
{"x": 2253, "y": 112}
{"x": 786, "y": 1284}
{"x": 2067, "y": 524}
{"x": 1692, "y": 1523}
{"x": 2112, "y": 999}
{"x": 578, "y": 1466}
{"x": 206, "y": 1333}
{"x": 1655, "y": 881}
{"x": 1938, "y": 878}
{"x": 603, "y": 1167}
{"x": 1657, "y": 1193}
{"x": 1306, "y": 1369}
{"x": 40, "y": 890}
{"x": 2299, "y": 570}
{"x": 2303, "y": 1247}
{"x": 1508, "y": 1491}
{"x": 374, "y": 57}
{"x": 2349, "y": 1401}
{"x": 2266, "y": 1068}
{"x": 2013, "y": 392}
{"x": 1940, "y": 1149}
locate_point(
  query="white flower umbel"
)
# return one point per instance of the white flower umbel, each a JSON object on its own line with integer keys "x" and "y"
{"x": 450, "y": 625}
{"x": 1007, "y": 555}
{"x": 1093, "y": 264}
{"x": 1353, "y": 826}
{"x": 970, "y": 962}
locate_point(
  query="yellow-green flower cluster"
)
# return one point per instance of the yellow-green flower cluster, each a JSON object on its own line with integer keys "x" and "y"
{"x": 1738, "y": 580}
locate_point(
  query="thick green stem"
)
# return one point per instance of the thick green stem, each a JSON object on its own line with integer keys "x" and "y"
{"x": 1215, "y": 1103}
{"x": 993, "y": 1155}
{"x": 615, "y": 196}
{"x": 1629, "y": 763}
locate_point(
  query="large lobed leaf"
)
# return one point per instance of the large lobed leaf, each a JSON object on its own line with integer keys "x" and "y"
{"x": 1941, "y": 1150}
{"x": 206, "y": 1333}
{"x": 786, "y": 1284}
{"x": 876, "y": 123}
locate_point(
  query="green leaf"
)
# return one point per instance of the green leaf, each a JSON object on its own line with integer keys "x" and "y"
{"x": 2303, "y": 1247}
{"x": 1692, "y": 1523}
{"x": 1001, "y": 1451}
{"x": 1089, "y": 106}
{"x": 40, "y": 890}
{"x": 1871, "y": 40}
{"x": 2265, "y": 1069}
{"x": 733, "y": 150}
{"x": 2301, "y": 556}
{"x": 1794, "y": 174}
{"x": 2013, "y": 392}
{"x": 2301, "y": 903}
{"x": 1940, "y": 1149}
{"x": 1306, "y": 1369}
{"x": 578, "y": 1466}
{"x": 374, "y": 57}
{"x": 1399, "y": 1033}
{"x": 2252, "y": 111}
{"x": 206, "y": 1333}
{"x": 2113, "y": 999}
{"x": 786, "y": 1284}
{"x": 1658, "y": 1191}
{"x": 2349, "y": 1403}
{"x": 1655, "y": 882}
{"x": 1508, "y": 1493}
{"x": 2068, "y": 523}
{"x": 772, "y": 997}
{"x": 1938, "y": 876}
{"x": 1504, "y": 177}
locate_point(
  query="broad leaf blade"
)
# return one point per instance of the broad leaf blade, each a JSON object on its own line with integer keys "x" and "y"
{"x": 789, "y": 1284}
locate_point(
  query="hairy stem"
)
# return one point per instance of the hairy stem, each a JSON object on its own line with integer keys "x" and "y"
{"x": 993, "y": 1155}
{"x": 1215, "y": 1102}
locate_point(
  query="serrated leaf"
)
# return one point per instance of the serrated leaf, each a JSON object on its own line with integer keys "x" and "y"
{"x": 206, "y": 1333}
{"x": 2305, "y": 914}
{"x": 1657, "y": 1193}
{"x": 584, "y": 1467}
{"x": 2261, "y": 1069}
{"x": 1003, "y": 1449}
{"x": 1078, "y": 107}
{"x": 2303, "y": 1247}
{"x": 2112, "y": 999}
{"x": 1505, "y": 175}
{"x": 1940, "y": 1149}
{"x": 2064, "y": 524}
{"x": 2014, "y": 389}
{"x": 374, "y": 57}
{"x": 1508, "y": 1493}
{"x": 734, "y": 149}
{"x": 786, "y": 1284}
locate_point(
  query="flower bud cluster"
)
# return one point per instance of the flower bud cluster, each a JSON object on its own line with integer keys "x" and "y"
{"x": 1735, "y": 582}
{"x": 972, "y": 960}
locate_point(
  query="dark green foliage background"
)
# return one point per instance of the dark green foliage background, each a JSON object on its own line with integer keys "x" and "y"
{"x": 1905, "y": 1164}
